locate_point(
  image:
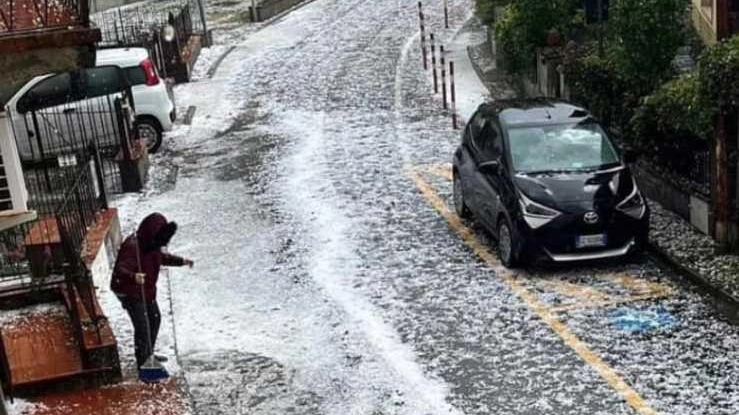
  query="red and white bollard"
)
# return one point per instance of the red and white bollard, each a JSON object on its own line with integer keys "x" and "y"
{"x": 446, "y": 14}
{"x": 443, "y": 77}
{"x": 454, "y": 100}
{"x": 433, "y": 64}
{"x": 423, "y": 35}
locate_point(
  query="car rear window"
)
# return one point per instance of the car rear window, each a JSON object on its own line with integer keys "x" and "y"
{"x": 136, "y": 75}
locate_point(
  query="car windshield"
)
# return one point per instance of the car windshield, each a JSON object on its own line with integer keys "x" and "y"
{"x": 561, "y": 147}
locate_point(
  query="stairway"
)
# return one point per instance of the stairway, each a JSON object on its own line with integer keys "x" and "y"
{"x": 42, "y": 347}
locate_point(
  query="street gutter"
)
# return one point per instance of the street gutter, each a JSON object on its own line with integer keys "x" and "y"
{"x": 726, "y": 303}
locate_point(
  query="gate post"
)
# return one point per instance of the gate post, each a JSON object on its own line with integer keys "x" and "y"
{"x": 133, "y": 159}
{"x": 97, "y": 161}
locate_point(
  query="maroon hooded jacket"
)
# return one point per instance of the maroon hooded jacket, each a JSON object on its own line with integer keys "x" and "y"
{"x": 123, "y": 281}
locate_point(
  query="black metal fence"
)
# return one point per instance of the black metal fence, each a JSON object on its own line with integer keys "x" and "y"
{"x": 66, "y": 133}
{"x": 67, "y": 198}
{"x": 144, "y": 26}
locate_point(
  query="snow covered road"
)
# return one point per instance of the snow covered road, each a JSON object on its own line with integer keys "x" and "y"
{"x": 326, "y": 283}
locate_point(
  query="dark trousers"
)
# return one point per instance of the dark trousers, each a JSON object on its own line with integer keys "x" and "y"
{"x": 135, "y": 309}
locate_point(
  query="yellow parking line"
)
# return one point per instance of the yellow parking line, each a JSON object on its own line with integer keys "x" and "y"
{"x": 581, "y": 348}
{"x": 578, "y": 291}
{"x": 441, "y": 170}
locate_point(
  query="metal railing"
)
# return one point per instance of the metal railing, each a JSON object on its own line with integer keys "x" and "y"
{"x": 31, "y": 15}
{"x": 132, "y": 26}
{"x": 67, "y": 198}
{"x": 144, "y": 27}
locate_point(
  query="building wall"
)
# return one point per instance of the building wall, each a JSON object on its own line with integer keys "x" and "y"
{"x": 16, "y": 69}
{"x": 705, "y": 20}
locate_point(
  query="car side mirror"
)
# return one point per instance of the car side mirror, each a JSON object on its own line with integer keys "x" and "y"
{"x": 630, "y": 156}
{"x": 489, "y": 167}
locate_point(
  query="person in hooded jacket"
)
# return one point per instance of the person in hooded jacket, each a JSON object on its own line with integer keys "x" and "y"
{"x": 136, "y": 273}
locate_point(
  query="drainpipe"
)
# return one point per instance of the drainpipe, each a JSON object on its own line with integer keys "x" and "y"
{"x": 723, "y": 202}
{"x": 722, "y": 19}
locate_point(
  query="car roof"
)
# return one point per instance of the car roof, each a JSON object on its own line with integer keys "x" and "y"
{"x": 534, "y": 111}
{"x": 121, "y": 57}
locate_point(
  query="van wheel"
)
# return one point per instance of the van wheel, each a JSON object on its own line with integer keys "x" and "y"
{"x": 506, "y": 249}
{"x": 150, "y": 132}
{"x": 460, "y": 206}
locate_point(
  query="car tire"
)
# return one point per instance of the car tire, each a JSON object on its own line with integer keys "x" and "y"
{"x": 460, "y": 206}
{"x": 149, "y": 131}
{"x": 507, "y": 245}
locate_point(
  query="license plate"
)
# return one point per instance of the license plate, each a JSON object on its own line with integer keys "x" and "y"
{"x": 591, "y": 241}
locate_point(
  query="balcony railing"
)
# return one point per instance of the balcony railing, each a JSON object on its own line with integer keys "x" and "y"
{"x": 18, "y": 16}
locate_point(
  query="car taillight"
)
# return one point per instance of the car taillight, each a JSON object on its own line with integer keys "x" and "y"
{"x": 151, "y": 74}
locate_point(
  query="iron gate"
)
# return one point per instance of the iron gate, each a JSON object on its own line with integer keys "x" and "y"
{"x": 57, "y": 130}
{"x": 144, "y": 26}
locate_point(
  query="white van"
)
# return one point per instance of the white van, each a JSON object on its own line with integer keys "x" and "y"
{"x": 152, "y": 96}
{"x": 60, "y": 127}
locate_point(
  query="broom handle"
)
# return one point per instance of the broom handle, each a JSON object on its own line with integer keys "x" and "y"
{"x": 143, "y": 300}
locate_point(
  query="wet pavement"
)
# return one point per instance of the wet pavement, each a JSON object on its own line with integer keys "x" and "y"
{"x": 331, "y": 277}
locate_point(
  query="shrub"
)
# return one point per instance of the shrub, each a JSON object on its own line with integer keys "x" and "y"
{"x": 718, "y": 70}
{"x": 486, "y": 9}
{"x": 674, "y": 123}
{"x": 678, "y": 107}
{"x": 646, "y": 35}
{"x": 596, "y": 82}
{"x": 525, "y": 25}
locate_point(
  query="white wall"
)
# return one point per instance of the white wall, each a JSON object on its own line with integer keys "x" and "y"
{"x": 12, "y": 164}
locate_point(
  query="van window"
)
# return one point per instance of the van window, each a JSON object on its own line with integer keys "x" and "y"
{"x": 135, "y": 75}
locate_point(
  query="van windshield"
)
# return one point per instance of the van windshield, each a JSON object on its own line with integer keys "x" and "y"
{"x": 561, "y": 147}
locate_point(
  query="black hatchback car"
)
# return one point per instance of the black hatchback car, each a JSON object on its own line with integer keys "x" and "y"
{"x": 545, "y": 179}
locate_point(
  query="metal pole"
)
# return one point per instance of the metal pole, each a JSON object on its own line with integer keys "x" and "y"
{"x": 123, "y": 27}
{"x": 205, "y": 24}
{"x": 254, "y": 16}
{"x": 433, "y": 64}
{"x": 454, "y": 100}
{"x": 443, "y": 78}
{"x": 600, "y": 27}
{"x": 423, "y": 36}
{"x": 446, "y": 14}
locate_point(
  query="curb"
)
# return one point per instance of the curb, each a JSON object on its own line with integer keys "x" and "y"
{"x": 272, "y": 20}
{"x": 726, "y": 303}
{"x": 212, "y": 70}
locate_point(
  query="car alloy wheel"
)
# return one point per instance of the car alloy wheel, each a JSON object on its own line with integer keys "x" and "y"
{"x": 460, "y": 207}
{"x": 150, "y": 134}
{"x": 506, "y": 252}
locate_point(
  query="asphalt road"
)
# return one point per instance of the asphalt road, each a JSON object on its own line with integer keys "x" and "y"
{"x": 333, "y": 278}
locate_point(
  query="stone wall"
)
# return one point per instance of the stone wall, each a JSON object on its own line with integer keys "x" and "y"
{"x": 267, "y": 9}
{"x": 690, "y": 207}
